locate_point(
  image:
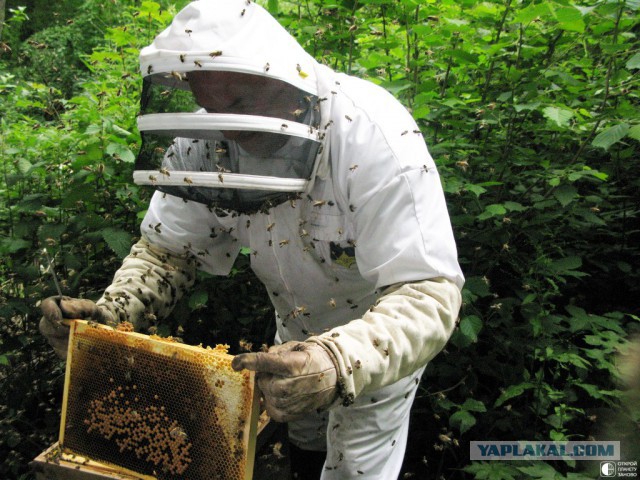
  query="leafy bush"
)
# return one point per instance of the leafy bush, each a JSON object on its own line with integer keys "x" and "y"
{"x": 531, "y": 113}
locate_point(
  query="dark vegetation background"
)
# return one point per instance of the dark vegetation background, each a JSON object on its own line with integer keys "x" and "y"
{"x": 530, "y": 109}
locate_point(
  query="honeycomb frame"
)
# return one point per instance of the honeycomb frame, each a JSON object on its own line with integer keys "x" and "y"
{"x": 157, "y": 409}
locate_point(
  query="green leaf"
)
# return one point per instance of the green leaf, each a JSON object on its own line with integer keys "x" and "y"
{"x": 272, "y": 6}
{"x": 493, "y": 210}
{"x": 121, "y": 151}
{"x": 478, "y": 286}
{"x": 118, "y": 240}
{"x": 121, "y": 132}
{"x": 565, "y": 194}
{"x": 514, "y": 206}
{"x": 610, "y": 136}
{"x": 10, "y": 245}
{"x": 526, "y": 106}
{"x": 633, "y": 62}
{"x": 542, "y": 471}
{"x": 475, "y": 189}
{"x": 472, "y": 405}
{"x": 4, "y": 360}
{"x": 566, "y": 264}
{"x": 492, "y": 471}
{"x": 513, "y": 391}
{"x": 560, "y": 116}
{"x": 532, "y": 12}
{"x": 569, "y": 19}
{"x": 198, "y": 300}
{"x": 23, "y": 166}
{"x": 462, "y": 420}
{"x": 470, "y": 327}
{"x": 634, "y": 132}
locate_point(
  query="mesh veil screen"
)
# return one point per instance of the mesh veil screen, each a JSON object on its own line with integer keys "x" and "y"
{"x": 179, "y": 143}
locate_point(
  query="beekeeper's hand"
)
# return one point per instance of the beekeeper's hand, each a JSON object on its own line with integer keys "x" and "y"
{"x": 55, "y": 309}
{"x": 295, "y": 378}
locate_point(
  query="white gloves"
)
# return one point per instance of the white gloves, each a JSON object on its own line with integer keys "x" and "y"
{"x": 55, "y": 309}
{"x": 295, "y": 378}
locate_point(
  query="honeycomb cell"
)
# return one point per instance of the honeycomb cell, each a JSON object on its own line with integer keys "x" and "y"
{"x": 156, "y": 407}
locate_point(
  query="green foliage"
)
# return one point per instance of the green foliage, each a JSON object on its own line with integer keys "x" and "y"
{"x": 531, "y": 112}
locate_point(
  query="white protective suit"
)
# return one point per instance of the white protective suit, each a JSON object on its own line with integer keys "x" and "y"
{"x": 364, "y": 263}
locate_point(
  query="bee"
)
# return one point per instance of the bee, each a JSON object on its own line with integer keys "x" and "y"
{"x": 297, "y": 112}
{"x": 244, "y": 10}
{"x": 352, "y": 208}
{"x": 176, "y": 75}
{"x": 188, "y": 31}
{"x": 404, "y": 133}
{"x": 284, "y": 126}
{"x": 220, "y": 178}
{"x": 386, "y": 352}
{"x": 221, "y": 150}
{"x": 248, "y": 223}
{"x": 417, "y": 132}
{"x": 215, "y": 53}
{"x": 198, "y": 63}
{"x": 328, "y": 124}
{"x": 270, "y": 227}
{"x": 424, "y": 168}
{"x": 178, "y": 432}
{"x": 352, "y": 168}
{"x": 332, "y": 303}
{"x": 358, "y": 364}
{"x": 188, "y": 150}
{"x": 277, "y": 447}
{"x": 188, "y": 181}
{"x": 348, "y": 118}
{"x": 267, "y": 67}
{"x": 319, "y": 203}
{"x": 164, "y": 172}
{"x": 301, "y": 72}
{"x": 182, "y": 56}
{"x": 153, "y": 178}
{"x": 282, "y": 243}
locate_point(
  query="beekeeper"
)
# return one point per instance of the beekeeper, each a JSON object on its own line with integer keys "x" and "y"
{"x": 327, "y": 180}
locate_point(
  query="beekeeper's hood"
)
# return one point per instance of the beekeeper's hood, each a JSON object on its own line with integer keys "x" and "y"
{"x": 249, "y": 136}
